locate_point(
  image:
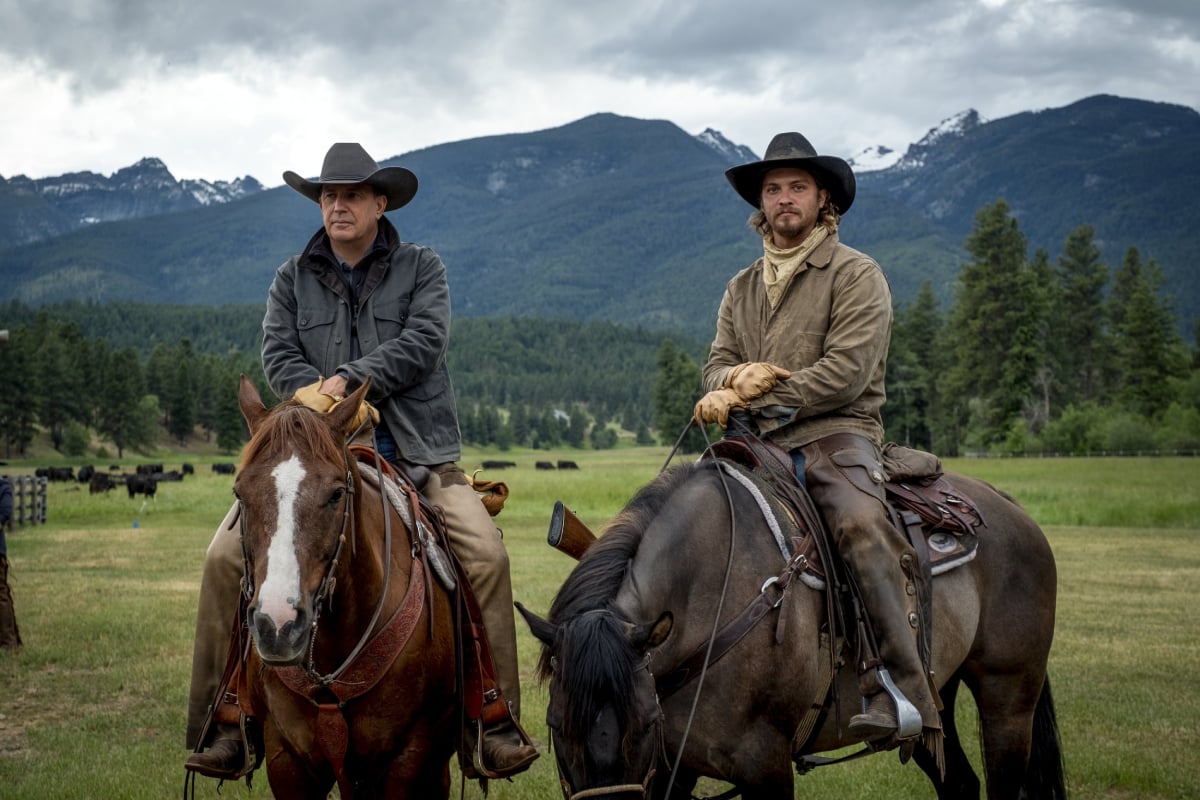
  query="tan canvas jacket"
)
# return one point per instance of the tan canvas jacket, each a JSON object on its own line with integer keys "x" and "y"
{"x": 831, "y": 330}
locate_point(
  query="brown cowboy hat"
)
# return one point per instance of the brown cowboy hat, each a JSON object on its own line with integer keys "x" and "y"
{"x": 793, "y": 150}
{"x": 347, "y": 163}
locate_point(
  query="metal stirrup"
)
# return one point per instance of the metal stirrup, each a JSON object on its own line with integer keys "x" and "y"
{"x": 908, "y": 719}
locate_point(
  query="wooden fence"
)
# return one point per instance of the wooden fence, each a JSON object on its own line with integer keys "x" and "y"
{"x": 29, "y": 500}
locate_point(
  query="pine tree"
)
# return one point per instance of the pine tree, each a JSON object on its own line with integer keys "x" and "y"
{"x": 676, "y": 390}
{"x": 991, "y": 330}
{"x": 1150, "y": 350}
{"x": 1079, "y": 326}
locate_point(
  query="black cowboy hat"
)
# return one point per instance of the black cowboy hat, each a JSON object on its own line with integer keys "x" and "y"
{"x": 348, "y": 163}
{"x": 793, "y": 150}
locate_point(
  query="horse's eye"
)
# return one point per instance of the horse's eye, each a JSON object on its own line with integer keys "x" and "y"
{"x": 335, "y": 498}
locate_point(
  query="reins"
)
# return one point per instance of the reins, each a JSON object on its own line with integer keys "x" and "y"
{"x": 687, "y": 729}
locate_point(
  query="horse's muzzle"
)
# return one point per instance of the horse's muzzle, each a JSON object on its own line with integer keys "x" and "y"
{"x": 283, "y": 646}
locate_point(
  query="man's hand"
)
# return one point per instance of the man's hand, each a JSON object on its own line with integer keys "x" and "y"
{"x": 754, "y": 378}
{"x": 716, "y": 405}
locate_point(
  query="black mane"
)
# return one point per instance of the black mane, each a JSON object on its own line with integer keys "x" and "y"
{"x": 591, "y": 637}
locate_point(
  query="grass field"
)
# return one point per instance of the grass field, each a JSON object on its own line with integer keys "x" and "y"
{"x": 93, "y": 705}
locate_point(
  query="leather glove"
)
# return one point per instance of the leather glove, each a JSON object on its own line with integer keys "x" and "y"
{"x": 716, "y": 405}
{"x": 309, "y": 396}
{"x": 754, "y": 378}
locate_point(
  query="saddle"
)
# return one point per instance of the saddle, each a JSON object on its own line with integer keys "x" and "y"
{"x": 939, "y": 520}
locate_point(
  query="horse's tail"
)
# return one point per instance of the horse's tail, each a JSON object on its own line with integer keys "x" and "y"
{"x": 1046, "y": 776}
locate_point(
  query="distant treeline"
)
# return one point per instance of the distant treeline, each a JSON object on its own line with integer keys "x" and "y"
{"x": 1035, "y": 355}
{"x": 132, "y": 372}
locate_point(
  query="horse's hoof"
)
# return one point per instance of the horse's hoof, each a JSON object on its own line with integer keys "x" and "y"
{"x": 224, "y": 760}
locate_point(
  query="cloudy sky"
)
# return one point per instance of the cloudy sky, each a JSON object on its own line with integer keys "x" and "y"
{"x": 223, "y": 88}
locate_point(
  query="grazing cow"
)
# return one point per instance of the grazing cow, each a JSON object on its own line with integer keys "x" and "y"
{"x": 567, "y": 465}
{"x": 85, "y": 473}
{"x": 100, "y": 482}
{"x": 188, "y": 469}
{"x": 224, "y": 468}
{"x": 141, "y": 484}
{"x": 498, "y": 464}
{"x": 544, "y": 465}
{"x": 149, "y": 469}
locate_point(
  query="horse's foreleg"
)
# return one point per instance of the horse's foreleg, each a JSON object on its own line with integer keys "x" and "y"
{"x": 960, "y": 780}
{"x": 289, "y": 777}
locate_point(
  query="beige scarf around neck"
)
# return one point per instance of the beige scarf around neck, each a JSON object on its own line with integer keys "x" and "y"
{"x": 781, "y": 265}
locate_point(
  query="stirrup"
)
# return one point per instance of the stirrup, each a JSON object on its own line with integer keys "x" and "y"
{"x": 908, "y": 719}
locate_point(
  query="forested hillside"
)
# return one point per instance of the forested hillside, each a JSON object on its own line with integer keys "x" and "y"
{"x": 631, "y": 221}
{"x": 1040, "y": 353}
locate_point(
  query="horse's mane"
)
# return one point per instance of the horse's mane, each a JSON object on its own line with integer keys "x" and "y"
{"x": 594, "y": 583}
{"x": 591, "y": 641}
{"x": 291, "y": 424}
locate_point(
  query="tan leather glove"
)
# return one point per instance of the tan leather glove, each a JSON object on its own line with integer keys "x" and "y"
{"x": 311, "y": 397}
{"x": 716, "y": 405}
{"x": 754, "y": 378}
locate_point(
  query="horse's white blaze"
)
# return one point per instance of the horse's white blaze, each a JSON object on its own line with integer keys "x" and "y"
{"x": 281, "y": 588}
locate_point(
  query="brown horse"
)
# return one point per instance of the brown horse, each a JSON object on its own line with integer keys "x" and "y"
{"x": 686, "y": 556}
{"x": 352, "y": 672}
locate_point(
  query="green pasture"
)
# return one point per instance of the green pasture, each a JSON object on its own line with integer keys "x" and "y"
{"x": 93, "y": 705}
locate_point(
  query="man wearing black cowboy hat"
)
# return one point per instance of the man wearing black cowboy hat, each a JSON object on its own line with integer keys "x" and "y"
{"x": 801, "y": 344}
{"x": 359, "y": 303}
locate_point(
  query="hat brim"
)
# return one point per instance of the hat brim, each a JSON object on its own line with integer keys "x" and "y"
{"x": 834, "y": 175}
{"x": 398, "y": 184}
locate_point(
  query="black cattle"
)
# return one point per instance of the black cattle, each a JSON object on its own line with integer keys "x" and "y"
{"x": 149, "y": 469}
{"x": 567, "y": 465}
{"x": 170, "y": 477}
{"x": 544, "y": 465}
{"x": 100, "y": 482}
{"x": 85, "y": 473}
{"x": 224, "y": 468}
{"x": 498, "y": 464}
{"x": 55, "y": 473}
{"x": 141, "y": 484}
{"x": 188, "y": 469}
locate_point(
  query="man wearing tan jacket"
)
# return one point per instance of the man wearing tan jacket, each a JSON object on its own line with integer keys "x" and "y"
{"x": 801, "y": 343}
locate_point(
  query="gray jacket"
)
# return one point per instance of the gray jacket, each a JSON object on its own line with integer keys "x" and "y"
{"x": 402, "y": 321}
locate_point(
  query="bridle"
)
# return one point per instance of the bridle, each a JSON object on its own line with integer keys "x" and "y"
{"x": 640, "y": 789}
{"x": 329, "y": 581}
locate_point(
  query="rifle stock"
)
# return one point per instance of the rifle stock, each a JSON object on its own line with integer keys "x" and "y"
{"x": 567, "y": 534}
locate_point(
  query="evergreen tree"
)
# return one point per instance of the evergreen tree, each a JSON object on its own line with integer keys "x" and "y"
{"x": 576, "y": 427}
{"x": 1079, "y": 326}
{"x": 988, "y": 319}
{"x": 676, "y": 390}
{"x": 18, "y": 409}
{"x": 1150, "y": 350}
{"x": 120, "y": 406}
{"x": 181, "y": 393}
{"x": 914, "y": 366}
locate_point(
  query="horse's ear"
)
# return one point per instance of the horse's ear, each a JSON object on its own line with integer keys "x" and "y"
{"x": 542, "y": 630}
{"x": 347, "y": 414}
{"x": 647, "y": 637}
{"x": 252, "y": 405}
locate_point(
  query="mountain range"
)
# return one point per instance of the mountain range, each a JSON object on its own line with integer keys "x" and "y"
{"x": 627, "y": 220}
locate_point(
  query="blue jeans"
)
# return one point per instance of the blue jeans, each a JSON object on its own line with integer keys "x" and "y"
{"x": 798, "y": 459}
{"x": 385, "y": 444}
